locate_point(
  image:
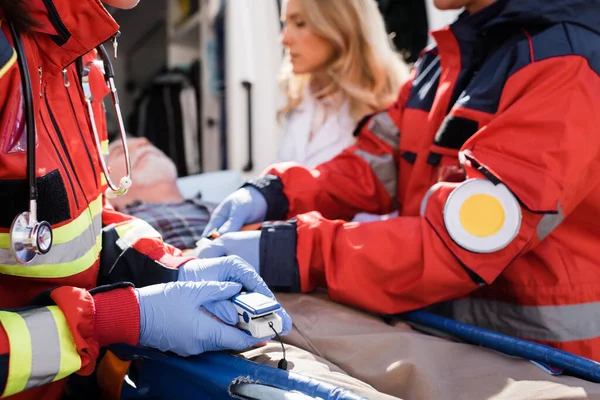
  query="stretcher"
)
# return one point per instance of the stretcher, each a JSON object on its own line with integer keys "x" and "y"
{"x": 221, "y": 375}
{"x": 549, "y": 359}
{"x": 215, "y": 375}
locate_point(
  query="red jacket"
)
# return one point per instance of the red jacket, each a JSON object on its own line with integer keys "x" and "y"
{"x": 510, "y": 96}
{"x": 65, "y": 320}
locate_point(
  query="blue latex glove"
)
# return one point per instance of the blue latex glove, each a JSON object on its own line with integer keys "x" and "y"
{"x": 171, "y": 318}
{"x": 243, "y": 244}
{"x": 229, "y": 269}
{"x": 244, "y": 206}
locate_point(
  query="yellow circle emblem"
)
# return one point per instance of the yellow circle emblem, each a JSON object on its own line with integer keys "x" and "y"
{"x": 482, "y": 215}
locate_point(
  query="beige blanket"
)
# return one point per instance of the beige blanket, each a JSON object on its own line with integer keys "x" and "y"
{"x": 356, "y": 350}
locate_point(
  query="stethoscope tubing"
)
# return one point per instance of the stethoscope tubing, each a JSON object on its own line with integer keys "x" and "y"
{"x": 27, "y": 233}
{"x": 29, "y": 117}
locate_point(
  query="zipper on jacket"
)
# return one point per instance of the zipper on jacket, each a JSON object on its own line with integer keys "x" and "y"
{"x": 61, "y": 161}
{"x": 81, "y": 133}
{"x": 64, "y": 147}
{"x": 57, "y": 23}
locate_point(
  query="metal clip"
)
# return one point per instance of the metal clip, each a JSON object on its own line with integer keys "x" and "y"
{"x": 66, "y": 78}
{"x": 116, "y": 44}
{"x": 40, "y": 72}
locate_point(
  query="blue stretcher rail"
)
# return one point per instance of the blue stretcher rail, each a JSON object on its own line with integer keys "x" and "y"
{"x": 212, "y": 376}
{"x": 576, "y": 365}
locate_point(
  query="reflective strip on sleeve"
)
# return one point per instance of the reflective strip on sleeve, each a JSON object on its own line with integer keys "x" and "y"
{"x": 550, "y": 222}
{"x": 19, "y": 359}
{"x": 554, "y": 323}
{"x": 384, "y": 167}
{"x": 131, "y": 231}
{"x": 425, "y": 200}
{"x": 42, "y": 349}
{"x": 70, "y": 361}
{"x": 385, "y": 129}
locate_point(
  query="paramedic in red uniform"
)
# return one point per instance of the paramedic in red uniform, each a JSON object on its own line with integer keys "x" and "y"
{"x": 54, "y": 316}
{"x": 491, "y": 155}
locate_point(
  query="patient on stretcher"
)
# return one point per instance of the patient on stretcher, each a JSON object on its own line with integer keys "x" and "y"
{"x": 154, "y": 196}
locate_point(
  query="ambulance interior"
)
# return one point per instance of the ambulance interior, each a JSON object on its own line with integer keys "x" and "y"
{"x": 198, "y": 78}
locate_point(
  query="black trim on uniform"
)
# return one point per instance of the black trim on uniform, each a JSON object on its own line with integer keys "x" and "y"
{"x": 278, "y": 263}
{"x": 119, "y": 263}
{"x": 409, "y": 156}
{"x": 53, "y": 204}
{"x": 43, "y": 299}
{"x": 491, "y": 177}
{"x": 106, "y": 288}
{"x": 3, "y": 370}
{"x": 434, "y": 158}
{"x": 271, "y": 187}
{"x": 455, "y": 131}
{"x": 63, "y": 33}
{"x": 361, "y": 124}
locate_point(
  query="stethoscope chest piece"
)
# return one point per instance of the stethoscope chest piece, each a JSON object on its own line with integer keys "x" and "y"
{"x": 29, "y": 237}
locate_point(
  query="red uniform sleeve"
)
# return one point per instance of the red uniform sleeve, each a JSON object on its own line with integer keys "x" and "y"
{"x": 63, "y": 334}
{"x": 542, "y": 145}
{"x": 133, "y": 251}
{"x": 363, "y": 178}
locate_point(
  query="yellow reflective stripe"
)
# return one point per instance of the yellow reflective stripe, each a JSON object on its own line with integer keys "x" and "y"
{"x": 19, "y": 359}
{"x": 69, "y": 231}
{"x": 76, "y": 227}
{"x": 70, "y": 361}
{"x": 104, "y": 147}
{"x": 60, "y": 270}
{"x": 42, "y": 349}
{"x": 9, "y": 64}
{"x": 103, "y": 181}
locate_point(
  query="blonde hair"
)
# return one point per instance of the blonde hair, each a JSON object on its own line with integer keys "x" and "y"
{"x": 366, "y": 69}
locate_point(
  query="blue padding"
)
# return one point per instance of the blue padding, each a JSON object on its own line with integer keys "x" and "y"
{"x": 580, "y": 366}
{"x": 210, "y": 375}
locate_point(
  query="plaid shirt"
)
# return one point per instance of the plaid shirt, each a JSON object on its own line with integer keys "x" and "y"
{"x": 180, "y": 224}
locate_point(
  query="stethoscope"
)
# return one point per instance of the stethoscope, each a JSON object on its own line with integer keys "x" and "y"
{"x": 28, "y": 236}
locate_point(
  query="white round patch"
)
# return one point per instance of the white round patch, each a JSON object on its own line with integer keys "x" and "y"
{"x": 463, "y": 200}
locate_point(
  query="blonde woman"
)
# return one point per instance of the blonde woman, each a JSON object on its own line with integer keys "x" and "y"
{"x": 339, "y": 66}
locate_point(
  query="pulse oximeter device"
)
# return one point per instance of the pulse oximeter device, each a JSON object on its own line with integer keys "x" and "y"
{"x": 257, "y": 314}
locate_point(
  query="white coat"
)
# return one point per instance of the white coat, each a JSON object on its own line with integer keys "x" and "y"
{"x": 328, "y": 140}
